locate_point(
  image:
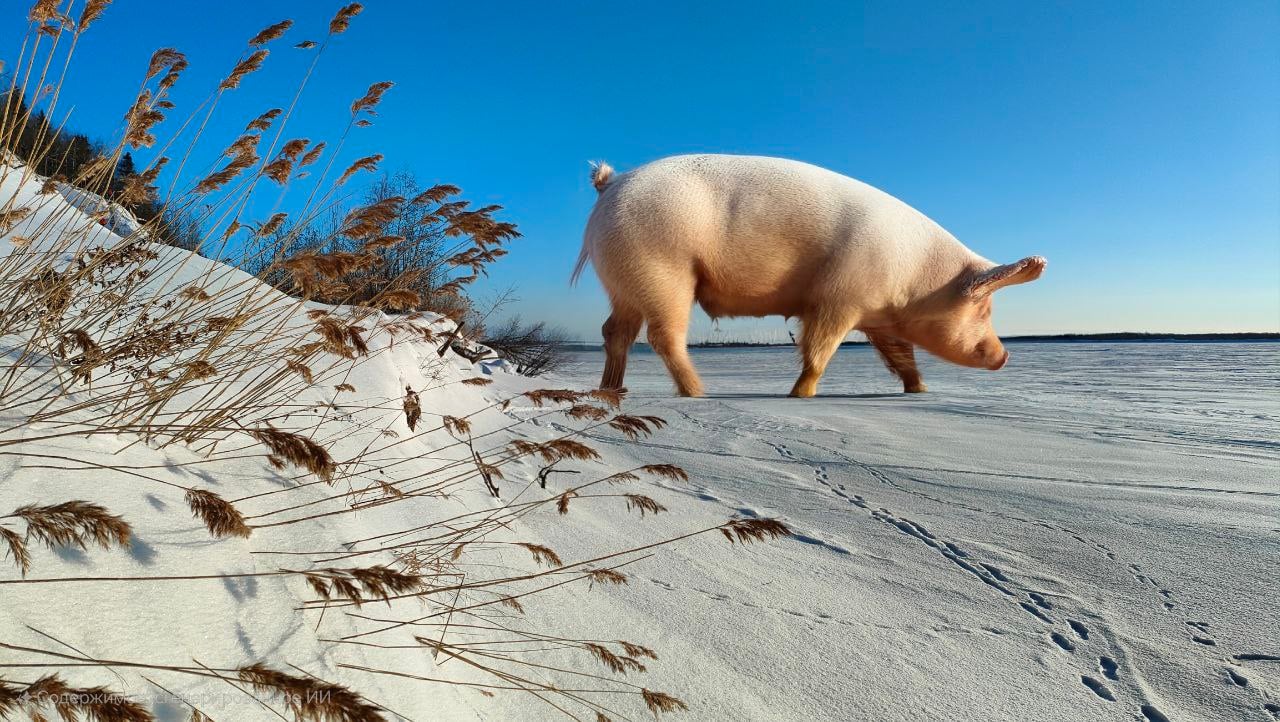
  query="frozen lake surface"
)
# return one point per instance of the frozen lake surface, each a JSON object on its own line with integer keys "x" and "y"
{"x": 1091, "y": 533}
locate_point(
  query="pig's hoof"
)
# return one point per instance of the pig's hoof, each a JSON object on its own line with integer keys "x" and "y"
{"x": 917, "y": 389}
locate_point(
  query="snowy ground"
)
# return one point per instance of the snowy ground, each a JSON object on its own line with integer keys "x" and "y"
{"x": 1090, "y": 534}
{"x": 171, "y": 618}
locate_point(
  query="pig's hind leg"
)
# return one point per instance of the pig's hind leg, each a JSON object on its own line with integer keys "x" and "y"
{"x": 619, "y": 331}
{"x": 899, "y": 356}
{"x": 667, "y": 316}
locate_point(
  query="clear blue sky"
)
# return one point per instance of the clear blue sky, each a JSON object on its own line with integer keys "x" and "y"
{"x": 1135, "y": 144}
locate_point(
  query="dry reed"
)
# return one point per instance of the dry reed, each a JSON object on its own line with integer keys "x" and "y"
{"x": 125, "y": 343}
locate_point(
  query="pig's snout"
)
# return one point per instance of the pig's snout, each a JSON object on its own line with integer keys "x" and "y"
{"x": 1004, "y": 359}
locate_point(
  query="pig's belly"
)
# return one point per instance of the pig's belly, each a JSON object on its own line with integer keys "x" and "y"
{"x": 753, "y": 295}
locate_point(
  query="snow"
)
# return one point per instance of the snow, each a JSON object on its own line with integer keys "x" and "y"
{"x": 226, "y": 623}
{"x": 113, "y": 216}
{"x": 1094, "y": 514}
{"x": 1095, "y": 521}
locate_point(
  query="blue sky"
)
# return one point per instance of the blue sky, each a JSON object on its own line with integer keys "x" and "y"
{"x": 1135, "y": 144}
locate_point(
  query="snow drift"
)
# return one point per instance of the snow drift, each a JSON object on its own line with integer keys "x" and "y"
{"x": 316, "y": 490}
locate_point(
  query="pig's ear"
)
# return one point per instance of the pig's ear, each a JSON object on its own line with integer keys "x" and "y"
{"x": 987, "y": 282}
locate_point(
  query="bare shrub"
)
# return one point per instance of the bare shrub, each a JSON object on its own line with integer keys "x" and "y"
{"x": 535, "y": 348}
{"x": 422, "y": 246}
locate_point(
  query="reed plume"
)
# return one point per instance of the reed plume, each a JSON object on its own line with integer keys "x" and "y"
{"x": 342, "y": 20}
{"x": 398, "y": 300}
{"x": 271, "y": 225}
{"x": 164, "y": 60}
{"x": 753, "y": 530}
{"x": 11, "y": 218}
{"x": 219, "y": 516}
{"x": 635, "y": 427}
{"x": 608, "y": 576}
{"x": 269, "y": 33}
{"x": 301, "y": 369}
{"x": 250, "y": 64}
{"x": 368, "y": 163}
{"x": 556, "y": 449}
{"x": 297, "y": 450}
{"x": 360, "y": 584}
{"x": 92, "y": 11}
{"x": 616, "y": 663}
{"x": 643, "y": 504}
{"x": 542, "y": 554}
{"x": 72, "y": 523}
{"x": 541, "y": 397}
{"x": 369, "y": 220}
{"x": 637, "y": 650}
{"x": 312, "y": 155}
{"x": 659, "y": 702}
{"x": 264, "y": 121}
{"x": 371, "y": 98}
{"x": 43, "y": 11}
{"x": 668, "y": 471}
{"x": 586, "y": 411}
{"x": 455, "y": 425}
{"x": 412, "y": 408}
{"x": 17, "y": 549}
{"x": 310, "y": 699}
{"x": 95, "y": 704}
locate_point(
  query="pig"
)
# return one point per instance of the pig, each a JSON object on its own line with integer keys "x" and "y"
{"x": 759, "y": 236}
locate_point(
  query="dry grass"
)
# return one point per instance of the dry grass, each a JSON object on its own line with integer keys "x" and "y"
{"x": 51, "y": 694}
{"x": 114, "y": 342}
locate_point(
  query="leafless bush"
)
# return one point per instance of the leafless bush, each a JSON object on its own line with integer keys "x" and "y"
{"x": 420, "y": 249}
{"x": 535, "y": 348}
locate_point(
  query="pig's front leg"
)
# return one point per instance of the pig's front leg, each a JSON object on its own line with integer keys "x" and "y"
{"x": 900, "y": 357}
{"x": 820, "y": 336}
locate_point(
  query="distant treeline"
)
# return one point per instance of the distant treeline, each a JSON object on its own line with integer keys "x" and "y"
{"x": 1060, "y": 337}
{"x": 62, "y": 154}
{"x": 1044, "y": 338}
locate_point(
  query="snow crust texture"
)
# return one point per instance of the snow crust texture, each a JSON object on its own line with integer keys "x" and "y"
{"x": 1089, "y": 534}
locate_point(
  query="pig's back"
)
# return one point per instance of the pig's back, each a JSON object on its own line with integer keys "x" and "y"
{"x": 784, "y": 224}
{"x": 740, "y": 204}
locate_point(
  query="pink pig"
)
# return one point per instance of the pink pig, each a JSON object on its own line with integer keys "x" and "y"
{"x": 754, "y": 236}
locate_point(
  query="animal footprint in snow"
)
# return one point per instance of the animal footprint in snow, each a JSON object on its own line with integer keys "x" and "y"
{"x": 1033, "y": 611}
{"x": 1203, "y": 638}
{"x": 782, "y": 450}
{"x": 1109, "y": 668}
{"x": 1080, "y": 630}
{"x": 1098, "y": 688}
{"x": 996, "y": 572}
{"x": 1063, "y": 642}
